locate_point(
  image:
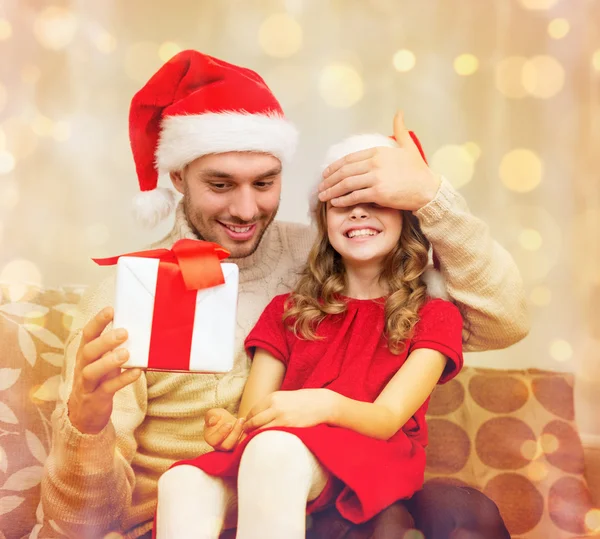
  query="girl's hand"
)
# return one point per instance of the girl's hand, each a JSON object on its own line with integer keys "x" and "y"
{"x": 222, "y": 430}
{"x": 301, "y": 408}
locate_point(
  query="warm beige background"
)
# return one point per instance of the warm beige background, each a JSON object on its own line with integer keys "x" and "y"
{"x": 504, "y": 95}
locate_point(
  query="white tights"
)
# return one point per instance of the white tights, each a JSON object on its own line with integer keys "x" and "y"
{"x": 278, "y": 475}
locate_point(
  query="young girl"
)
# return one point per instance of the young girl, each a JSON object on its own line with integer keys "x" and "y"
{"x": 334, "y": 407}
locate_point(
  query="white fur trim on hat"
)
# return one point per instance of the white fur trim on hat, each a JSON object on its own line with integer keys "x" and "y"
{"x": 436, "y": 284}
{"x": 350, "y": 145}
{"x": 151, "y": 207}
{"x": 185, "y": 138}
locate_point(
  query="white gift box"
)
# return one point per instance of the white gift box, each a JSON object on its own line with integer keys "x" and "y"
{"x": 213, "y": 333}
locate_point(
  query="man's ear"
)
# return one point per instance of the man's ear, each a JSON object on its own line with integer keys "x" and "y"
{"x": 177, "y": 180}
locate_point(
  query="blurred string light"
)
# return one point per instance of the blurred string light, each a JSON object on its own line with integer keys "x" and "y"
{"x": 537, "y": 471}
{"x": 456, "y": 162}
{"x": 473, "y": 149}
{"x": 55, "y": 27}
{"x": 561, "y": 350}
{"x": 167, "y": 50}
{"x": 466, "y": 64}
{"x": 541, "y": 296}
{"x": 539, "y": 238}
{"x": 592, "y": 520}
{"x": 5, "y": 29}
{"x": 404, "y": 60}
{"x": 340, "y": 85}
{"x": 7, "y": 162}
{"x": 558, "y": 28}
{"x": 538, "y": 4}
{"x": 17, "y": 274}
{"x": 280, "y": 36}
{"x": 104, "y": 41}
{"x": 596, "y": 60}
{"x": 521, "y": 170}
{"x": 530, "y": 239}
{"x": 543, "y": 76}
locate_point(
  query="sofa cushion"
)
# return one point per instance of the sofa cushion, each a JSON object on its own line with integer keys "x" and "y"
{"x": 512, "y": 435}
{"x": 34, "y": 325}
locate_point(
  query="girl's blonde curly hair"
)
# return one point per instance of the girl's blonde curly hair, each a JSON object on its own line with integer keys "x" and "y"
{"x": 323, "y": 280}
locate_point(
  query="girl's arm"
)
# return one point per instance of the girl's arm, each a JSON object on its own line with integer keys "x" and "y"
{"x": 266, "y": 377}
{"x": 400, "y": 399}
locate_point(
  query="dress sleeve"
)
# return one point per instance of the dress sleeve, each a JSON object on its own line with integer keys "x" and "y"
{"x": 269, "y": 333}
{"x": 440, "y": 328}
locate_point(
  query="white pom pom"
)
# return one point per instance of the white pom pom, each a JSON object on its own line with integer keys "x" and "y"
{"x": 436, "y": 284}
{"x": 151, "y": 207}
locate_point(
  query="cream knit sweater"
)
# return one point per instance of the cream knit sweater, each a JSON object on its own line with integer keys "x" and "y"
{"x": 107, "y": 482}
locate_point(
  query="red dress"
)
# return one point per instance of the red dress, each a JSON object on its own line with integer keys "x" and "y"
{"x": 353, "y": 359}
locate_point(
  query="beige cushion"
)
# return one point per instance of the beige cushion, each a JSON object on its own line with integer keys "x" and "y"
{"x": 32, "y": 334}
{"x": 512, "y": 435}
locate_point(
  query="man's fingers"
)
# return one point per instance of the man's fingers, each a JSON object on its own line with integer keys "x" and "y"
{"x": 101, "y": 345}
{"x": 128, "y": 376}
{"x": 347, "y": 185}
{"x": 232, "y": 438}
{"x": 401, "y": 134}
{"x": 355, "y": 157}
{"x": 107, "y": 367}
{"x": 94, "y": 328}
{"x": 361, "y": 196}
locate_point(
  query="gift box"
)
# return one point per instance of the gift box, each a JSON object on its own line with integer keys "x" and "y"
{"x": 178, "y": 306}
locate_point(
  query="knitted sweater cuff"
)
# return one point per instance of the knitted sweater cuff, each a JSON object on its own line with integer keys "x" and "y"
{"x": 445, "y": 200}
{"x": 88, "y": 453}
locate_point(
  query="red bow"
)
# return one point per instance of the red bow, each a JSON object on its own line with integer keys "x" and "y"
{"x": 197, "y": 261}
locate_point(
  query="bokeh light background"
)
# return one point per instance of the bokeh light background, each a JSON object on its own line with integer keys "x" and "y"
{"x": 504, "y": 94}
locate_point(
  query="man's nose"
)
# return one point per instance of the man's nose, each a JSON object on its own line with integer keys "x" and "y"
{"x": 244, "y": 206}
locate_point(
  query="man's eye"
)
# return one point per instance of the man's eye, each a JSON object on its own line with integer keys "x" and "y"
{"x": 263, "y": 185}
{"x": 218, "y": 186}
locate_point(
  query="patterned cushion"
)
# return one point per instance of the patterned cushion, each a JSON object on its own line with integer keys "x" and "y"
{"x": 512, "y": 435}
{"x": 508, "y": 433}
{"x": 34, "y": 325}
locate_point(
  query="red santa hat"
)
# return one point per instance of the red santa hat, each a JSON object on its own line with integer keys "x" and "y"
{"x": 197, "y": 105}
{"x": 436, "y": 285}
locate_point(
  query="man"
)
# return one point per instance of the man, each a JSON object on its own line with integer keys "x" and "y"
{"x": 220, "y": 133}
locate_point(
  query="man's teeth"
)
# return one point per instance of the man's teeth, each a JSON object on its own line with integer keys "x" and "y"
{"x": 362, "y": 232}
{"x": 239, "y": 229}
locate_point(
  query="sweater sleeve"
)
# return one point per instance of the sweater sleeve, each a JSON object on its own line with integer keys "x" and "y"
{"x": 481, "y": 276}
{"x": 88, "y": 479}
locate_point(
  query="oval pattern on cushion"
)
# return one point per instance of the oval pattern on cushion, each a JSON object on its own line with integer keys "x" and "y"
{"x": 569, "y": 500}
{"x": 446, "y": 398}
{"x": 520, "y": 502}
{"x": 498, "y": 394}
{"x": 449, "y": 447}
{"x": 499, "y": 442}
{"x": 568, "y": 457}
{"x": 555, "y": 394}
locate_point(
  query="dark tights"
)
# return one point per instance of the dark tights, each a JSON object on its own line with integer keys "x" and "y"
{"x": 440, "y": 511}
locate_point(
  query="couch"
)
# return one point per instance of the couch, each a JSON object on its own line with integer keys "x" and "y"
{"x": 511, "y": 434}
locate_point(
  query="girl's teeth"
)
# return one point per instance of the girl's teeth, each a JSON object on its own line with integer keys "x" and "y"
{"x": 354, "y": 233}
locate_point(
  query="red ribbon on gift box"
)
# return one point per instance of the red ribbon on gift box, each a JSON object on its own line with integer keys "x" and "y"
{"x": 189, "y": 266}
